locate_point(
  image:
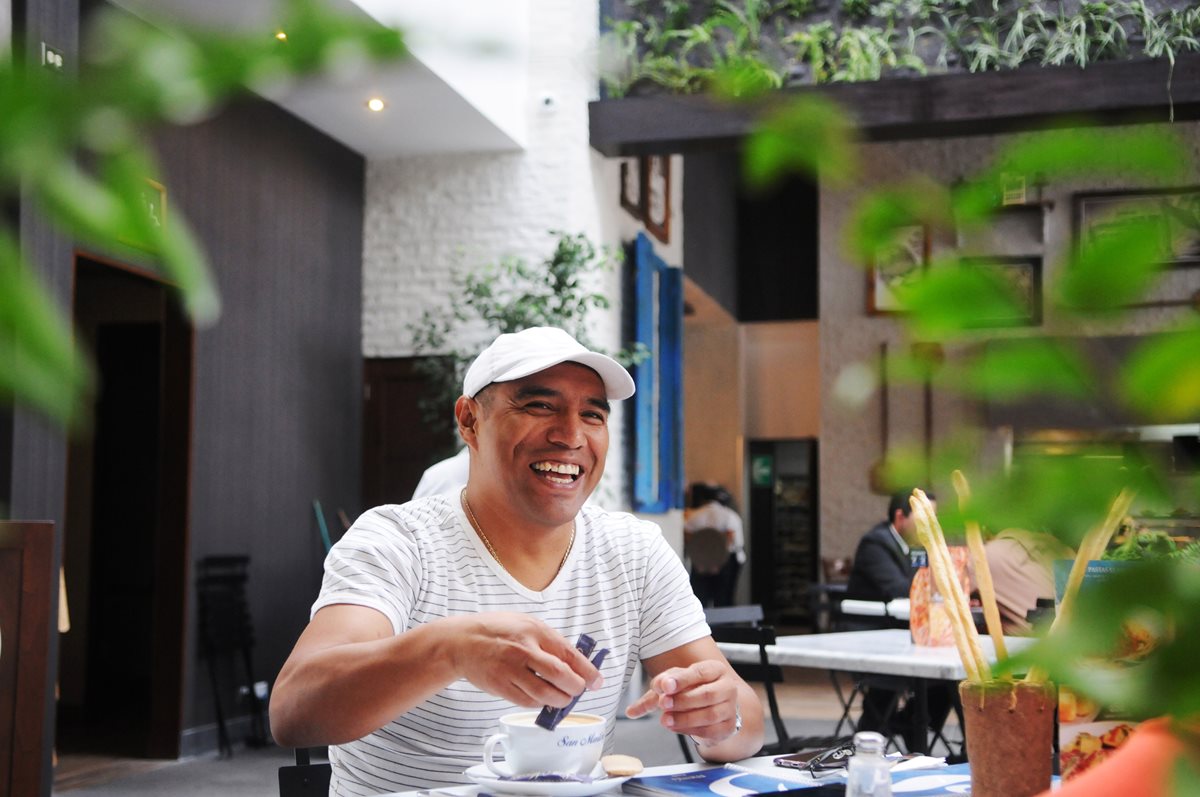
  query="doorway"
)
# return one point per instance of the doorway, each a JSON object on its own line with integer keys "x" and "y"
{"x": 784, "y": 531}
{"x": 125, "y": 536}
{"x": 398, "y": 443}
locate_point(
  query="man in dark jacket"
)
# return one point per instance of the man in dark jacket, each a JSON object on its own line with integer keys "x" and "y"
{"x": 882, "y": 569}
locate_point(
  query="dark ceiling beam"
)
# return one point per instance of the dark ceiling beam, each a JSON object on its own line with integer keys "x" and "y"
{"x": 938, "y": 106}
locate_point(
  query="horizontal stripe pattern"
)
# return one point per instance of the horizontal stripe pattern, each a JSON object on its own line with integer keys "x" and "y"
{"x": 419, "y": 562}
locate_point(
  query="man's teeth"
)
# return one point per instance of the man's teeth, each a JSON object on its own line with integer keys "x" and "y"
{"x": 570, "y": 471}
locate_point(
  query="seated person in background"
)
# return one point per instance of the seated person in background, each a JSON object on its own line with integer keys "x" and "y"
{"x": 448, "y": 475}
{"x": 438, "y": 616}
{"x": 1022, "y": 567}
{"x": 713, "y": 510}
{"x": 882, "y": 571}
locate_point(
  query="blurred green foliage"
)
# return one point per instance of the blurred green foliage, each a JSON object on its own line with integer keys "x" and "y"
{"x": 953, "y": 321}
{"x": 76, "y": 146}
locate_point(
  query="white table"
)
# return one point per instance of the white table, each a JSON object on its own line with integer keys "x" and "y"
{"x": 888, "y": 651}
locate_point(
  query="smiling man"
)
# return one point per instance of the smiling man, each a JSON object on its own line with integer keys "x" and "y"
{"x": 438, "y": 616}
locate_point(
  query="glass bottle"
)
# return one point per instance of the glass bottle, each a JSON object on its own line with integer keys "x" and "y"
{"x": 869, "y": 773}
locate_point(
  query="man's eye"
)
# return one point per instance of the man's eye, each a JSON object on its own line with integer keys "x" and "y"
{"x": 597, "y": 417}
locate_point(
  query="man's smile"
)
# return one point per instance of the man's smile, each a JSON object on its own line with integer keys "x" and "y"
{"x": 557, "y": 472}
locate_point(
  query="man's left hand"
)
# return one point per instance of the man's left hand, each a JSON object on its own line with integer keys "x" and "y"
{"x": 700, "y": 700}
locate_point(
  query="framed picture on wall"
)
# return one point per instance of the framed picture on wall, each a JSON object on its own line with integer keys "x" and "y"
{"x": 1173, "y": 213}
{"x": 632, "y": 188}
{"x": 657, "y": 187}
{"x": 152, "y": 201}
{"x": 896, "y": 265}
{"x": 1022, "y": 278}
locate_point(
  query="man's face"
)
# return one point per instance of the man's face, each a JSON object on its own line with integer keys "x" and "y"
{"x": 907, "y": 527}
{"x": 542, "y": 441}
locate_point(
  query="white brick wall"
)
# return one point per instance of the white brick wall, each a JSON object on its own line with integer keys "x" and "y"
{"x": 428, "y": 215}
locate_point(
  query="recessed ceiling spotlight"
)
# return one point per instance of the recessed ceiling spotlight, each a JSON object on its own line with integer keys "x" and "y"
{"x": 376, "y": 104}
{"x": 282, "y": 36}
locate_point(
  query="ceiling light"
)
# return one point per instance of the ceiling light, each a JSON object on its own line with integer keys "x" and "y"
{"x": 376, "y": 104}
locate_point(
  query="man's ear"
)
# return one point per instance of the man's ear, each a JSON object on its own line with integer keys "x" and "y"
{"x": 466, "y": 413}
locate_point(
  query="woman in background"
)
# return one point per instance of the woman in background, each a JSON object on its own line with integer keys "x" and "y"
{"x": 713, "y": 509}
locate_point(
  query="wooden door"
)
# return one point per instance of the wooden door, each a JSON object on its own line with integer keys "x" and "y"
{"x": 398, "y": 445}
{"x": 27, "y": 583}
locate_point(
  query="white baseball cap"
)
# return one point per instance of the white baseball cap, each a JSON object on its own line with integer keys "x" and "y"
{"x": 518, "y": 354}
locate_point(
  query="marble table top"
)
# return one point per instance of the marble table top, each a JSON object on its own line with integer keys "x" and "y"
{"x": 888, "y": 652}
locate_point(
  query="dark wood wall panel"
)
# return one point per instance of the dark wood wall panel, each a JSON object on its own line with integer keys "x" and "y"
{"x": 37, "y": 451}
{"x": 710, "y": 181}
{"x": 277, "y": 405}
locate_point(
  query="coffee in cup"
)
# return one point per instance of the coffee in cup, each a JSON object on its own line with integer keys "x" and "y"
{"x": 572, "y": 748}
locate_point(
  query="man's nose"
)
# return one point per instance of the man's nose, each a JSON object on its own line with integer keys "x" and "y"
{"x": 567, "y": 430}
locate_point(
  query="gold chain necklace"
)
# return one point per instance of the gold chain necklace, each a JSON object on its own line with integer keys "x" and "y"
{"x": 488, "y": 543}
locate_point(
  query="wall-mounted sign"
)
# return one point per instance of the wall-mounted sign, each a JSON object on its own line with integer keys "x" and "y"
{"x": 762, "y": 470}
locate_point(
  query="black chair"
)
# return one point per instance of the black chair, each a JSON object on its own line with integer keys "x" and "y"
{"x": 825, "y": 606}
{"x": 743, "y": 625}
{"x": 226, "y": 636}
{"x": 305, "y": 779}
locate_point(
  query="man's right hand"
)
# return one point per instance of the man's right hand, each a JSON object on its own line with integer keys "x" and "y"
{"x": 519, "y": 658}
{"x": 349, "y": 674}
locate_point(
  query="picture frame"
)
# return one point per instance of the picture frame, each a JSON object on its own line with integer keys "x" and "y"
{"x": 152, "y": 200}
{"x": 656, "y": 185}
{"x": 1175, "y": 212}
{"x": 897, "y": 264}
{"x": 1024, "y": 274}
{"x": 633, "y": 187}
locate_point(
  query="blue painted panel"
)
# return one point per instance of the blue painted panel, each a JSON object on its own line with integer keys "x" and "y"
{"x": 645, "y": 482}
{"x": 658, "y": 477}
{"x": 670, "y": 390}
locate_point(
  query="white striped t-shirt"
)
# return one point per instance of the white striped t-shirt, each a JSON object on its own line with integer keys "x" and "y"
{"x": 421, "y": 561}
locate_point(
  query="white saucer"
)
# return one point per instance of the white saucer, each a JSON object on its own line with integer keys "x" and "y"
{"x": 485, "y": 777}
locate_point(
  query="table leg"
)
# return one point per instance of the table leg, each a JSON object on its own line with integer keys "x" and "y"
{"x": 920, "y": 717}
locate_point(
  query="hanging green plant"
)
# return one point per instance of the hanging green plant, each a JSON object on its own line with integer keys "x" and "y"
{"x": 508, "y": 296}
{"x": 798, "y": 42}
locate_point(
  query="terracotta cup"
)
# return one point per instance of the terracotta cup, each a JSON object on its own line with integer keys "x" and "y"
{"x": 1009, "y": 729}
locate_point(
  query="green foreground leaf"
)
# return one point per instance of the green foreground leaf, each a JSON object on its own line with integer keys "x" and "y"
{"x": 809, "y": 136}
{"x": 42, "y": 366}
{"x": 1161, "y": 379}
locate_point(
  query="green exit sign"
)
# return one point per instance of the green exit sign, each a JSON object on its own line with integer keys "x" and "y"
{"x": 762, "y": 470}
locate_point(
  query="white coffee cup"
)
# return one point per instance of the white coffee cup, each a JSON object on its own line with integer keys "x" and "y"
{"x": 573, "y": 748}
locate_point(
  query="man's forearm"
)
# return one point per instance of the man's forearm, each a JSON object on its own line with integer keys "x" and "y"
{"x": 343, "y": 692}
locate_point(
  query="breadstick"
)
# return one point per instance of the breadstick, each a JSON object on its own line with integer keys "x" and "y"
{"x": 937, "y": 568}
{"x": 964, "y": 607}
{"x": 983, "y": 573}
{"x": 942, "y": 568}
{"x": 1092, "y": 547}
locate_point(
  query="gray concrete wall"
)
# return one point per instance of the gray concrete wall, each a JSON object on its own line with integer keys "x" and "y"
{"x": 850, "y": 435}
